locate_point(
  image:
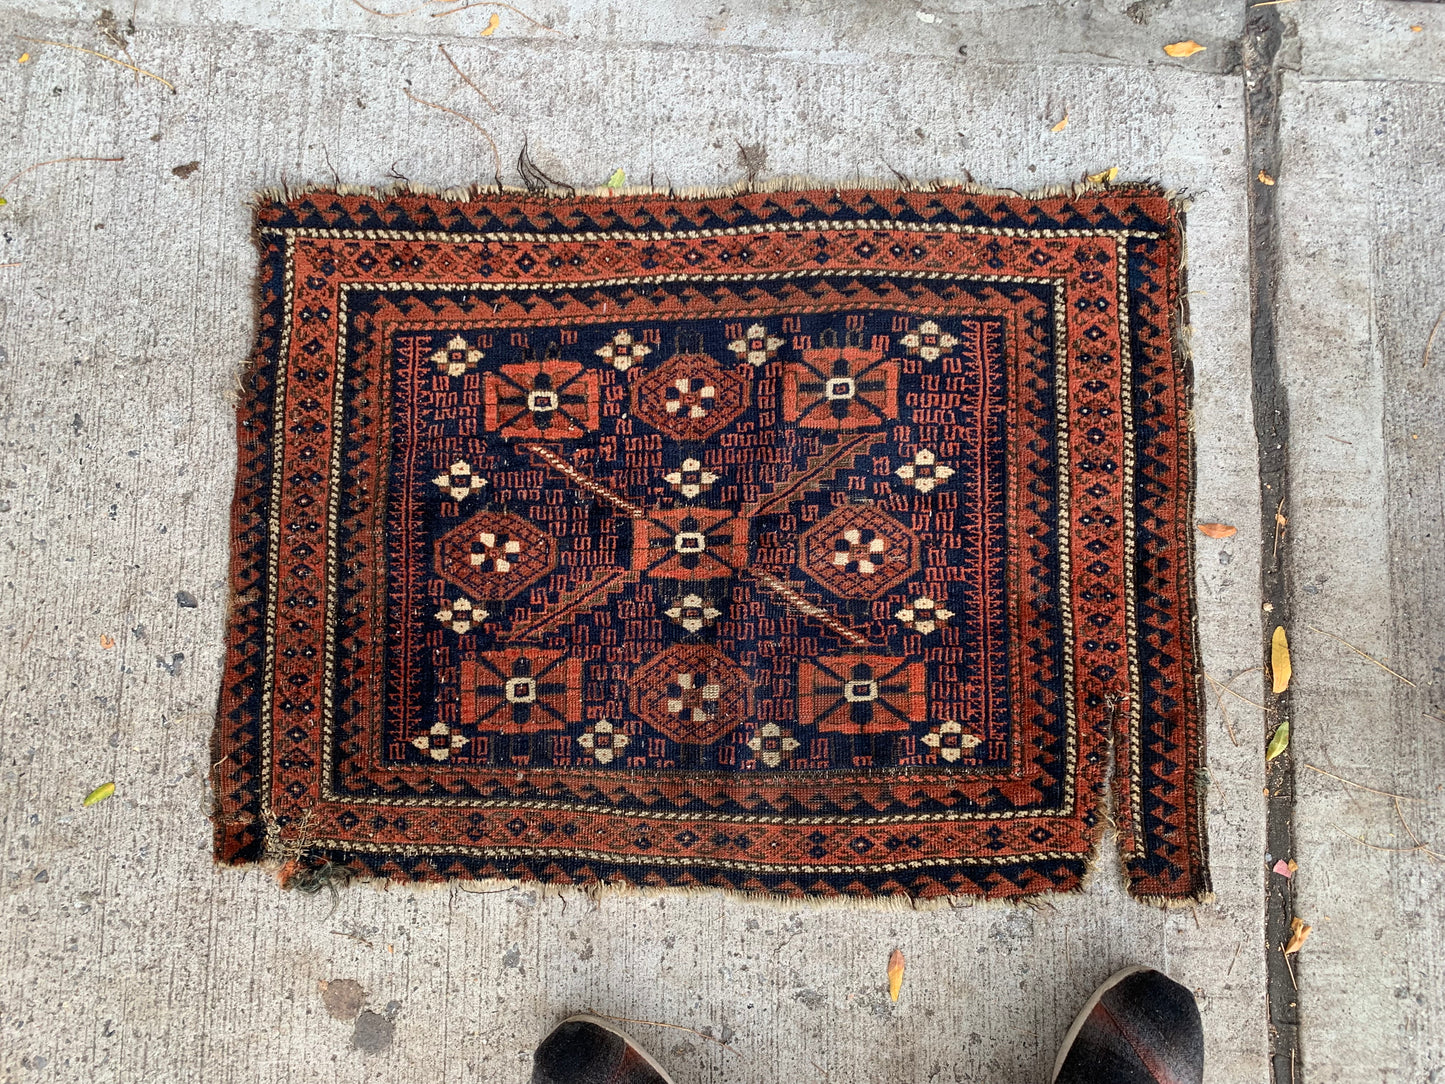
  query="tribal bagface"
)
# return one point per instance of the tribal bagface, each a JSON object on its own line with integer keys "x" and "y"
{"x": 803, "y": 542}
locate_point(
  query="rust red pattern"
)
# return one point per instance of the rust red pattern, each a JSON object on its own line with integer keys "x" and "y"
{"x": 808, "y": 543}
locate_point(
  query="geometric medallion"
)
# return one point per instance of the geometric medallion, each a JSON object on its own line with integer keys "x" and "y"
{"x": 689, "y": 397}
{"x": 495, "y": 555}
{"x": 857, "y": 551}
{"x": 692, "y": 693}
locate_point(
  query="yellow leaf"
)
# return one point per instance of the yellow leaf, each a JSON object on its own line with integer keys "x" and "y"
{"x": 492, "y": 24}
{"x": 1061, "y": 125}
{"x": 1184, "y": 48}
{"x": 25, "y": 58}
{"x": 1279, "y": 660}
{"x": 895, "y": 973}
{"x": 1299, "y": 934}
{"x": 1106, "y": 177}
{"x": 1413, "y": 30}
{"x": 618, "y": 178}
{"x": 1218, "y": 530}
{"x": 1265, "y": 178}
{"x": 1278, "y": 742}
{"x": 99, "y": 794}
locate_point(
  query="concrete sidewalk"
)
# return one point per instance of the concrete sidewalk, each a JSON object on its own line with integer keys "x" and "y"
{"x": 125, "y": 313}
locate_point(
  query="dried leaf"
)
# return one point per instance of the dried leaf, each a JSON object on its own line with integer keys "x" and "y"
{"x": 99, "y": 794}
{"x": 107, "y": 641}
{"x": 1183, "y": 48}
{"x": 1413, "y": 30}
{"x": 1265, "y": 178}
{"x": 618, "y": 178}
{"x": 1299, "y": 933}
{"x": 1061, "y": 125}
{"x": 1279, "y": 665}
{"x": 1218, "y": 530}
{"x": 492, "y": 24}
{"x": 1286, "y": 869}
{"x": 895, "y": 973}
{"x": 1278, "y": 742}
{"x": 1106, "y": 177}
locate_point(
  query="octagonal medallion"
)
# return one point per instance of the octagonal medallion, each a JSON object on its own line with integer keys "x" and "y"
{"x": 689, "y": 397}
{"x": 857, "y": 551}
{"x": 495, "y": 555}
{"x": 693, "y": 693}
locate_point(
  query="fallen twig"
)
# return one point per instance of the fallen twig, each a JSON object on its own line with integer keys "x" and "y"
{"x": 1360, "y": 786}
{"x": 1431, "y": 340}
{"x": 662, "y": 1024}
{"x": 1364, "y": 655}
{"x": 496, "y": 154}
{"x": 104, "y": 56}
{"x": 496, "y": 4}
{"x": 396, "y": 14}
{"x": 1220, "y": 690}
{"x": 1420, "y": 844}
{"x": 466, "y": 78}
{"x": 51, "y": 162}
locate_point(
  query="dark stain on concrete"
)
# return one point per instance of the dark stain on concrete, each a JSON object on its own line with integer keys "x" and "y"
{"x": 343, "y": 998}
{"x": 373, "y": 1033}
{"x": 184, "y": 171}
{"x": 811, "y": 998}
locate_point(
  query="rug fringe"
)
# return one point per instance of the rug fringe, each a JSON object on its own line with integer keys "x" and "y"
{"x": 794, "y": 182}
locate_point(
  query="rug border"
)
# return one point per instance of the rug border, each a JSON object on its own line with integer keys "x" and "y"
{"x": 279, "y": 855}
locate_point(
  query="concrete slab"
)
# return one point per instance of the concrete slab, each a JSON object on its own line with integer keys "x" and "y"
{"x": 1364, "y": 283}
{"x": 127, "y": 957}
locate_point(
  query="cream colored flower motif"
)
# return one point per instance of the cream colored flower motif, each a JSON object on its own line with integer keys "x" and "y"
{"x": 493, "y": 553}
{"x": 688, "y": 401}
{"x": 757, "y": 346}
{"x": 461, "y": 615}
{"x": 853, "y": 549}
{"x": 459, "y": 481}
{"x": 440, "y": 742}
{"x": 623, "y": 351}
{"x": 690, "y": 479}
{"x": 928, "y": 342}
{"x": 693, "y": 702}
{"x": 693, "y": 612}
{"x": 604, "y": 741}
{"x": 772, "y": 743}
{"x": 924, "y": 615}
{"x": 949, "y": 740}
{"x": 456, "y": 357}
{"x": 925, "y": 471}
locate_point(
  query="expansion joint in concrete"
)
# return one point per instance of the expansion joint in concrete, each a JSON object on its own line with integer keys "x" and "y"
{"x": 1260, "y": 53}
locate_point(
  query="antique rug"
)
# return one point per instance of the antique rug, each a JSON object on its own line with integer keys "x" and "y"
{"x": 801, "y": 542}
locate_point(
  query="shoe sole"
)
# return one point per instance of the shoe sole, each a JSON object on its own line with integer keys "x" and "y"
{"x": 1089, "y": 1006}
{"x": 608, "y": 1025}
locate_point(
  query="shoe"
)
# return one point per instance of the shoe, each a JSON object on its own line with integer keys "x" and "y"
{"x": 588, "y": 1050}
{"x": 1140, "y": 1027}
